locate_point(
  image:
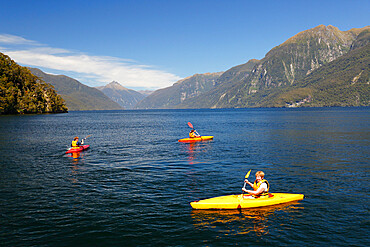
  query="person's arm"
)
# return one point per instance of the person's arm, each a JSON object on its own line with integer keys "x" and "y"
{"x": 255, "y": 192}
{"x": 261, "y": 189}
{"x": 247, "y": 182}
{"x": 82, "y": 141}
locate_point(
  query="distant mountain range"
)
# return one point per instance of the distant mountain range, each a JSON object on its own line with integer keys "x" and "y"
{"x": 174, "y": 95}
{"x": 78, "y": 97}
{"x": 322, "y": 66}
{"x": 127, "y": 98}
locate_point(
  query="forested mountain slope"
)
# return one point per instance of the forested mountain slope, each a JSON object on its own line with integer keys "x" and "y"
{"x": 21, "y": 92}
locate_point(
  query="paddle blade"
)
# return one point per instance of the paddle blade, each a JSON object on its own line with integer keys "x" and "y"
{"x": 247, "y": 175}
{"x": 190, "y": 125}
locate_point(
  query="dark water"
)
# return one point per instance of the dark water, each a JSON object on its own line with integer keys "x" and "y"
{"x": 133, "y": 186}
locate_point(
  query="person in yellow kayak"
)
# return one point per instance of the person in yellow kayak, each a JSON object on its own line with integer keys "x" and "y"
{"x": 76, "y": 144}
{"x": 260, "y": 185}
{"x": 193, "y": 133}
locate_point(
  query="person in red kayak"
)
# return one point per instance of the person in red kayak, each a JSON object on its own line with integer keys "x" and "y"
{"x": 76, "y": 144}
{"x": 193, "y": 133}
{"x": 260, "y": 185}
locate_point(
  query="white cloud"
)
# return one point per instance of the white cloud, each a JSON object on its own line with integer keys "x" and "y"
{"x": 15, "y": 40}
{"x": 90, "y": 70}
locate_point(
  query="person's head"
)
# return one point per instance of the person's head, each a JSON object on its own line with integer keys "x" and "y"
{"x": 192, "y": 130}
{"x": 260, "y": 175}
{"x": 76, "y": 138}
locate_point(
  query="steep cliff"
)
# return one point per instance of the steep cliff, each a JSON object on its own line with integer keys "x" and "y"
{"x": 172, "y": 96}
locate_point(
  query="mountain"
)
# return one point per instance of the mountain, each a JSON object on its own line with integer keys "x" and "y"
{"x": 342, "y": 82}
{"x": 223, "y": 84}
{"x": 21, "y": 92}
{"x": 127, "y": 98}
{"x": 78, "y": 96}
{"x": 284, "y": 67}
{"x": 186, "y": 88}
{"x": 145, "y": 92}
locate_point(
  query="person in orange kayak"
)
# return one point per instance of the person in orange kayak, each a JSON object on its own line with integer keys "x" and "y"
{"x": 76, "y": 144}
{"x": 260, "y": 185}
{"x": 193, "y": 133}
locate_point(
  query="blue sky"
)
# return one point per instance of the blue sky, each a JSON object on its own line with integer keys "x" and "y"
{"x": 150, "y": 44}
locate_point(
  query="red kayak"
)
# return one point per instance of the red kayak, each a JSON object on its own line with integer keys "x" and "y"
{"x": 76, "y": 150}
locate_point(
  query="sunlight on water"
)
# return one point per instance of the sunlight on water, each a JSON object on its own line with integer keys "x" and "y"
{"x": 134, "y": 184}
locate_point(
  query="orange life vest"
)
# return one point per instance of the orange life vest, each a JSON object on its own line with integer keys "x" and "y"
{"x": 74, "y": 145}
{"x": 257, "y": 185}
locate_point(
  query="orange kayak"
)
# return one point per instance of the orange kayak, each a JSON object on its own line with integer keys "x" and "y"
{"x": 196, "y": 139}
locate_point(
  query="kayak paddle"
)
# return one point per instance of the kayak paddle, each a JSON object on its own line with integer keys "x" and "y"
{"x": 191, "y": 126}
{"x": 85, "y": 139}
{"x": 246, "y": 176}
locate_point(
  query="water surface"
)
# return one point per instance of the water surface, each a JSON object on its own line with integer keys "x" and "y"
{"x": 134, "y": 185}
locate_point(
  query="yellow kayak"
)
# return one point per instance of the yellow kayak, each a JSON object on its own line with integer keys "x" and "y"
{"x": 196, "y": 139}
{"x": 245, "y": 201}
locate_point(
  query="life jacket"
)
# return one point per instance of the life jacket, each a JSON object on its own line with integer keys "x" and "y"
{"x": 192, "y": 135}
{"x": 74, "y": 145}
{"x": 257, "y": 185}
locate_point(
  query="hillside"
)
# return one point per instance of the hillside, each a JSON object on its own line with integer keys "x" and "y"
{"x": 127, "y": 98}
{"x": 77, "y": 96}
{"x": 21, "y": 92}
{"x": 145, "y": 92}
{"x": 343, "y": 82}
{"x": 223, "y": 84}
{"x": 186, "y": 88}
{"x": 284, "y": 67}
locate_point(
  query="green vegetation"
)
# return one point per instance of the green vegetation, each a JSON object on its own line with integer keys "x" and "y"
{"x": 23, "y": 93}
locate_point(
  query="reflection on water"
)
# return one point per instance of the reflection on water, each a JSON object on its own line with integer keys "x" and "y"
{"x": 195, "y": 148}
{"x": 76, "y": 159}
{"x": 77, "y": 156}
{"x": 239, "y": 222}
